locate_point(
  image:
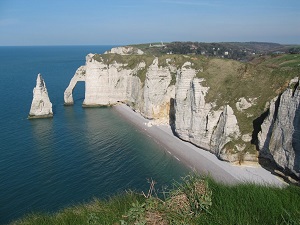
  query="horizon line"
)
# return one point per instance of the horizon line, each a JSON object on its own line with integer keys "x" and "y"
{"x": 60, "y": 45}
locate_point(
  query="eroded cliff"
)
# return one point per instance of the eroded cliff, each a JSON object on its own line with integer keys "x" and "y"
{"x": 209, "y": 102}
{"x": 279, "y": 138}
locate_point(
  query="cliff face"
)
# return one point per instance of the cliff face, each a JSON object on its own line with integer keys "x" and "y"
{"x": 157, "y": 93}
{"x": 105, "y": 84}
{"x": 78, "y": 76}
{"x": 156, "y": 98}
{"x": 279, "y": 138}
{"x": 41, "y": 107}
{"x": 125, "y": 50}
{"x": 196, "y": 121}
{"x": 108, "y": 84}
{"x": 211, "y": 103}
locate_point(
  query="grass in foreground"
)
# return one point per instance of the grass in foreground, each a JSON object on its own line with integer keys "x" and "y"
{"x": 193, "y": 201}
{"x": 252, "y": 204}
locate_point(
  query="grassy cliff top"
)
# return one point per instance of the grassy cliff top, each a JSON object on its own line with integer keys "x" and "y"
{"x": 189, "y": 202}
{"x": 258, "y": 80}
{"x": 244, "y": 51}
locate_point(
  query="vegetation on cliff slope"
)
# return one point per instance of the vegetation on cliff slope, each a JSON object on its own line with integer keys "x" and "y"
{"x": 193, "y": 201}
{"x": 258, "y": 81}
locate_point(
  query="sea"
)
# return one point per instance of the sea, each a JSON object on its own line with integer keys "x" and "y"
{"x": 81, "y": 153}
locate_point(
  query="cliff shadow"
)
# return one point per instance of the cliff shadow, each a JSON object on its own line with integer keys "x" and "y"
{"x": 296, "y": 140}
{"x": 257, "y": 127}
{"x": 172, "y": 116}
{"x": 265, "y": 158}
{"x": 296, "y": 134}
{"x": 78, "y": 92}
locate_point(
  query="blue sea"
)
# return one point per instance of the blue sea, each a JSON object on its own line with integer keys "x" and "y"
{"x": 49, "y": 164}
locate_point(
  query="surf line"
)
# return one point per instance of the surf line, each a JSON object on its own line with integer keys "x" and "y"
{"x": 176, "y": 158}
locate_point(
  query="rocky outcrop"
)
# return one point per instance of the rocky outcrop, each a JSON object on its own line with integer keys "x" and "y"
{"x": 41, "y": 107}
{"x": 108, "y": 84}
{"x": 174, "y": 90}
{"x": 125, "y": 50}
{"x": 157, "y": 93}
{"x": 279, "y": 138}
{"x": 79, "y": 76}
{"x": 197, "y": 121}
{"x": 226, "y": 130}
{"x": 243, "y": 104}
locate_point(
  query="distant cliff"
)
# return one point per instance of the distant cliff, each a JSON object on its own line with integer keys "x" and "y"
{"x": 213, "y": 103}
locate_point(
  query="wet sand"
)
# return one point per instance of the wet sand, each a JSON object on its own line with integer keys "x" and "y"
{"x": 196, "y": 158}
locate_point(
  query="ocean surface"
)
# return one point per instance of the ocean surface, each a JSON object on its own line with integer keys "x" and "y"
{"x": 49, "y": 164}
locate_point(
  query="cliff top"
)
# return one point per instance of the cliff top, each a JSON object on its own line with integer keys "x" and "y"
{"x": 232, "y": 82}
{"x": 242, "y": 51}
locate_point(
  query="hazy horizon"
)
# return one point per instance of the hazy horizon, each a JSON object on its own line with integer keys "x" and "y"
{"x": 127, "y": 44}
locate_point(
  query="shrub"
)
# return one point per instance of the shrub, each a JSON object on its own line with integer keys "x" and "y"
{"x": 181, "y": 204}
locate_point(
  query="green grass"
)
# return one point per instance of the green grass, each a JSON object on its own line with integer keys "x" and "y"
{"x": 193, "y": 201}
{"x": 263, "y": 78}
{"x": 291, "y": 60}
{"x": 251, "y": 204}
{"x": 128, "y": 61}
{"x": 103, "y": 211}
{"x": 157, "y": 51}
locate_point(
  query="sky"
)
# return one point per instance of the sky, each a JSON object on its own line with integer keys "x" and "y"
{"x": 121, "y": 22}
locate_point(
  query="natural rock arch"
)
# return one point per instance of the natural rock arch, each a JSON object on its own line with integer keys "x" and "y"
{"x": 79, "y": 76}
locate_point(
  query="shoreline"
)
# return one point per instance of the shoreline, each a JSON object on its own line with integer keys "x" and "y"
{"x": 196, "y": 158}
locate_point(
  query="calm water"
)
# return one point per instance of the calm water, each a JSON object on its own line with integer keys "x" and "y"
{"x": 48, "y": 164}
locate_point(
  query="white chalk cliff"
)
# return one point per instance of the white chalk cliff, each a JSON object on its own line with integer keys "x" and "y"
{"x": 196, "y": 121}
{"x": 78, "y": 76}
{"x": 125, "y": 50}
{"x": 41, "y": 107}
{"x": 173, "y": 92}
{"x": 279, "y": 138}
{"x": 108, "y": 84}
{"x": 157, "y": 93}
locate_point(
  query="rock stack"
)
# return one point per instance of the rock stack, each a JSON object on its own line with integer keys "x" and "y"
{"x": 41, "y": 107}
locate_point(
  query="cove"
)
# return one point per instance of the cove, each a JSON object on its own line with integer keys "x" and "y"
{"x": 46, "y": 165}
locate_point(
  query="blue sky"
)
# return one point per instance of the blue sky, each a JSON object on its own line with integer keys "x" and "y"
{"x": 74, "y": 22}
